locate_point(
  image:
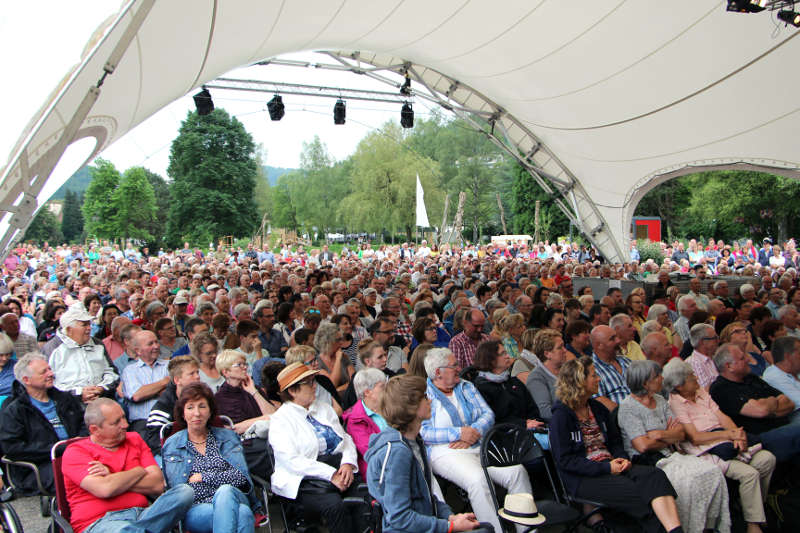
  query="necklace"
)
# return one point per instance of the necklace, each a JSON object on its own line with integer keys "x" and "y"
{"x": 197, "y": 442}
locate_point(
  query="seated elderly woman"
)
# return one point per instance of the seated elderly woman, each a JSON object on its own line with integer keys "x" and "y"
{"x": 238, "y": 397}
{"x": 407, "y": 494}
{"x": 460, "y": 418}
{"x": 737, "y": 334}
{"x": 315, "y": 459}
{"x": 588, "y": 452}
{"x": 660, "y": 313}
{"x": 364, "y": 417}
{"x": 527, "y": 359}
{"x": 548, "y": 345}
{"x": 506, "y": 395}
{"x": 711, "y": 435}
{"x": 649, "y": 431}
{"x": 333, "y": 363}
{"x": 211, "y": 461}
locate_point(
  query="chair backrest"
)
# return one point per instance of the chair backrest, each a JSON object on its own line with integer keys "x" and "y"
{"x": 509, "y": 445}
{"x": 56, "y": 455}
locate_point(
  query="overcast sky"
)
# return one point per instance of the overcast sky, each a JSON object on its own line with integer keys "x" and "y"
{"x": 68, "y": 25}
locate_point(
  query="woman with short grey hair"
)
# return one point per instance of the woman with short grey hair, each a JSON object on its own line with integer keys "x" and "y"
{"x": 329, "y": 342}
{"x": 713, "y": 437}
{"x": 435, "y": 359}
{"x": 364, "y": 418}
{"x": 660, "y": 313}
{"x": 649, "y": 430}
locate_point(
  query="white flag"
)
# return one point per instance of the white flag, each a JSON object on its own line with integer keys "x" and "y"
{"x": 422, "y": 215}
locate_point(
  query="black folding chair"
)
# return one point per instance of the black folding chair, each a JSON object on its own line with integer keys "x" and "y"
{"x": 9, "y": 520}
{"x": 594, "y": 507}
{"x": 44, "y": 495}
{"x": 509, "y": 445}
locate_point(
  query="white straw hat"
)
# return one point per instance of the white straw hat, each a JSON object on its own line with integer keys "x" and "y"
{"x": 521, "y": 509}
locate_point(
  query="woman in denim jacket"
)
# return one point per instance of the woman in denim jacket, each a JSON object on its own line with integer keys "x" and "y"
{"x": 211, "y": 460}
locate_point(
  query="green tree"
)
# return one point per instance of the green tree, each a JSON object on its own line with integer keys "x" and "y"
{"x": 525, "y": 192}
{"x": 213, "y": 171}
{"x": 44, "y": 227}
{"x": 72, "y": 217}
{"x": 384, "y": 184}
{"x": 99, "y": 210}
{"x": 158, "y": 226}
{"x": 324, "y": 185}
{"x": 263, "y": 192}
{"x": 284, "y": 212}
{"x": 135, "y": 203}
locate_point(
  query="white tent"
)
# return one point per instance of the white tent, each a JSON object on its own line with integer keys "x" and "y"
{"x": 603, "y": 100}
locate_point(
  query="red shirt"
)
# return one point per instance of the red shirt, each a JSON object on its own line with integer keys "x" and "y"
{"x": 87, "y": 508}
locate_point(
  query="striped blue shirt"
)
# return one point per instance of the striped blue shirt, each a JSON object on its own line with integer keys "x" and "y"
{"x": 612, "y": 383}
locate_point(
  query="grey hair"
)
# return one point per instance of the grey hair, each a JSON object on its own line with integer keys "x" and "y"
{"x": 22, "y": 368}
{"x": 236, "y": 291}
{"x": 639, "y": 373}
{"x": 697, "y": 333}
{"x": 435, "y": 359}
{"x": 585, "y": 299}
{"x": 325, "y": 336}
{"x": 6, "y": 344}
{"x": 675, "y": 373}
{"x": 204, "y": 306}
{"x": 723, "y": 356}
{"x": 651, "y": 326}
{"x": 121, "y": 292}
{"x": 94, "y": 411}
{"x": 367, "y": 378}
{"x": 745, "y": 287}
{"x": 684, "y": 301}
{"x": 153, "y": 306}
{"x": 240, "y": 308}
{"x": 552, "y": 298}
{"x": 618, "y": 320}
{"x": 784, "y": 309}
{"x": 719, "y": 283}
{"x": 656, "y": 310}
{"x": 650, "y": 340}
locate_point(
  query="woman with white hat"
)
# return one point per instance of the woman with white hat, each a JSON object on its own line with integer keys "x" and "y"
{"x": 315, "y": 459}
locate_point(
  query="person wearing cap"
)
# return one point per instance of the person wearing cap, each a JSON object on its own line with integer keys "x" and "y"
{"x": 181, "y": 305}
{"x": 315, "y": 459}
{"x": 82, "y": 367}
{"x": 399, "y": 474}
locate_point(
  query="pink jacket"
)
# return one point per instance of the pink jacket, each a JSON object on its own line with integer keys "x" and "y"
{"x": 360, "y": 426}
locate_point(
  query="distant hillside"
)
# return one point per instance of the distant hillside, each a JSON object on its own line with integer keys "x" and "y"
{"x": 273, "y": 173}
{"x": 79, "y": 181}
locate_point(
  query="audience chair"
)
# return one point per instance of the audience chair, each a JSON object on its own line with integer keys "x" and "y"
{"x": 44, "y": 495}
{"x": 59, "y": 510}
{"x": 509, "y": 445}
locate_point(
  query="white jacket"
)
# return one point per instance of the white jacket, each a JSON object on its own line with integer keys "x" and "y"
{"x": 77, "y": 366}
{"x": 296, "y": 448}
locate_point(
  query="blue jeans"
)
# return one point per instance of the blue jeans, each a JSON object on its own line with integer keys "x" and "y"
{"x": 229, "y": 513}
{"x": 783, "y": 442}
{"x": 160, "y": 517}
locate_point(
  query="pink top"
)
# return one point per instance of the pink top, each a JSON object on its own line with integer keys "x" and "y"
{"x": 703, "y": 414}
{"x": 704, "y": 369}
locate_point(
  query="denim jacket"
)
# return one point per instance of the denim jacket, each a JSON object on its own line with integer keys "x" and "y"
{"x": 178, "y": 459}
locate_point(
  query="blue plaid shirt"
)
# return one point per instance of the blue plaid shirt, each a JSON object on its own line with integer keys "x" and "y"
{"x": 439, "y": 429}
{"x": 612, "y": 383}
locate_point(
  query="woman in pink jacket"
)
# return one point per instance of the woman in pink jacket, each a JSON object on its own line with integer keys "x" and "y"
{"x": 363, "y": 418}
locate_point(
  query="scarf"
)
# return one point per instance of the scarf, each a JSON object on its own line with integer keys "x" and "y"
{"x": 450, "y": 408}
{"x": 496, "y": 378}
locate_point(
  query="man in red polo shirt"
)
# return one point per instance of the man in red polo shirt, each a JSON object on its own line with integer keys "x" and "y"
{"x": 109, "y": 476}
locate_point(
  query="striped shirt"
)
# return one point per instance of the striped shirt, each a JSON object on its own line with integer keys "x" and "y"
{"x": 612, "y": 382}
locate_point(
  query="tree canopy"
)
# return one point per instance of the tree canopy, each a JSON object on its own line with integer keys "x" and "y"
{"x": 213, "y": 169}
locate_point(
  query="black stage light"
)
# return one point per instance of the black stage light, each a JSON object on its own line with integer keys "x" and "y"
{"x": 407, "y": 116}
{"x": 203, "y": 102}
{"x": 275, "y": 107}
{"x": 790, "y": 17}
{"x": 406, "y": 87}
{"x": 339, "y": 111}
{"x": 746, "y": 6}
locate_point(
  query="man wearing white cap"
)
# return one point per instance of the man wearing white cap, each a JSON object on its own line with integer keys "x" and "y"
{"x": 81, "y": 366}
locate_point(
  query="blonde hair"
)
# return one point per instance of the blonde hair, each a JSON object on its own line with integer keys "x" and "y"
{"x": 228, "y": 358}
{"x": 299, "y": 354}
{"x": 544, "y": 341}
{"x": 571, "y": 383}
{"x": 509, "y": 321}
{"x": 727, "y": 331}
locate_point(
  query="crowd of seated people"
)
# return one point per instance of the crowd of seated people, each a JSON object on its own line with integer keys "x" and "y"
{"x": 299, "y": 350}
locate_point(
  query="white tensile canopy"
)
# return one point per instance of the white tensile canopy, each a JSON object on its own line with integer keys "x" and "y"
{"x": 602, "y": 100}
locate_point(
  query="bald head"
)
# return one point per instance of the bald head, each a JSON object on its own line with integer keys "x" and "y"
{"x": 145, "y": 344}
{"x": 604, "y": 342}
{"x": 656, "y": 347}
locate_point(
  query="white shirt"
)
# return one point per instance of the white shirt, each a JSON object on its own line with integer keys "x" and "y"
{"x": 296, "y": 448}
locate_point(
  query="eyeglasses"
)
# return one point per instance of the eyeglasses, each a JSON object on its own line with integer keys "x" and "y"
{"x": 387, "y": 332}
{"x": 738, "y": 330}
{"x": 310, "y": 361}
{"x": 714, "y": 338}
{"x": 239, "y": 365}
{"x": 313, "y": 311}
{"x": 432, "y": 328}
{"x": 451, "y": 367}
{"x": 308, "y": 381}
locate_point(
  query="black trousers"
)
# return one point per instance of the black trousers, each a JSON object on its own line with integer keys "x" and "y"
{"x": 322, "y": 498}
{"x": 630, "y": 492}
